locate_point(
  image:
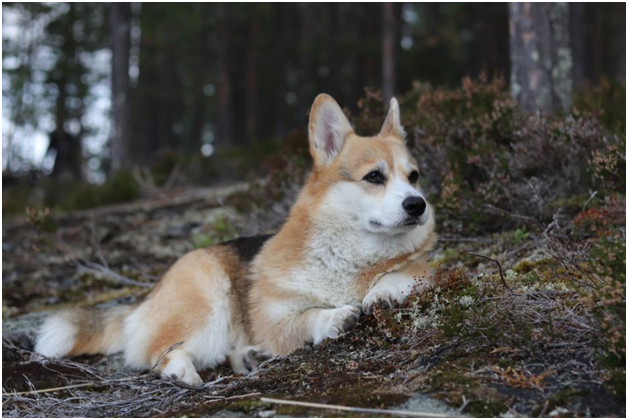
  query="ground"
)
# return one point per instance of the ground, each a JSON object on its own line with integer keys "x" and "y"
{"x": 503, "y": 332}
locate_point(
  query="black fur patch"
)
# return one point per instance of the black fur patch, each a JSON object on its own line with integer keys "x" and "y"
{"x": 248, "y": 247}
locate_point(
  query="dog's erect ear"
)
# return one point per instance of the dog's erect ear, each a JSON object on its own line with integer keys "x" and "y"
{"x": 392, "y": 125}
{"x": 327, "y": 130}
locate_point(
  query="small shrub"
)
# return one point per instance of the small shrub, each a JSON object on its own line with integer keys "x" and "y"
{"x": 120, "y": 188}
{"x": 221, "y": 230}
{"x": 42, "y": 219}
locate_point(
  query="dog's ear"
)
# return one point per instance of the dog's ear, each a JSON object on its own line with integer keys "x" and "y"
{"x": 328, "y": 129}
{"x": 392, "y": 125}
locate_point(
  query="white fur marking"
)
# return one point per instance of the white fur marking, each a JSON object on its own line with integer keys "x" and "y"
{"x": 180, "y": 367}
{"x": 56, "y": 336}
{"x": 328, "y": 323}
{"x": 393, "y": 288}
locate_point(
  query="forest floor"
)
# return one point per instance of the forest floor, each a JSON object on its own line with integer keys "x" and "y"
{"x": 502, "y": 333}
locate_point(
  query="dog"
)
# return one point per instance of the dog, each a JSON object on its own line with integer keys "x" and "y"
{"x": 358, "y": 235}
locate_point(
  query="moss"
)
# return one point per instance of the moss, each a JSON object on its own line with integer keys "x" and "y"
{"x": 121, "y": 187}
{"x": 526, "y": 266}
{"x": 448, "y": 375}
{"x": 221, "y": 230}
{"x": 570, "y": 205}
{"x": 485, "y": 408}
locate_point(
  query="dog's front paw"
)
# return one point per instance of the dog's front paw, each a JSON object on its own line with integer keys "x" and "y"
{"x": 330, "y": 323}
{"x": 390, "y": 291}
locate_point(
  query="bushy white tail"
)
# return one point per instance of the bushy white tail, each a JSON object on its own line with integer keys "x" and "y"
{"x": 82, "y": 331}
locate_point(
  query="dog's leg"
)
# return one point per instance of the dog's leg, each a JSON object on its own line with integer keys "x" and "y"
{"x": 283, "y": 325}
{"x": 393, "y": 288}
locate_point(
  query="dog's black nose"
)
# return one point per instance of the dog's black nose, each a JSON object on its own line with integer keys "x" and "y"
{"x": 414, "y": 206}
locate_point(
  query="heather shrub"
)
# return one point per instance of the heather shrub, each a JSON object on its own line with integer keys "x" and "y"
{"x": 603, "y": 231}
{"x": 606, "y": 101}
{"x": 485, "y": 165}
{"x": 488, "y": 167}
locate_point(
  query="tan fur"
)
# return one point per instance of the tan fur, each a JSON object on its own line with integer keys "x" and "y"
{"x": 176, "y": 319}
{"x": 263, "y": 308}
{"x": 98, "y": 330}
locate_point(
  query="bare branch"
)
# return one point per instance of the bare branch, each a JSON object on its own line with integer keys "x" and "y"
{"x": 391, "y": 413}
{"x": 501, "y": 272}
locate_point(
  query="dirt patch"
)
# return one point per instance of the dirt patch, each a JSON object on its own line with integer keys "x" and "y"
{"x": 27, "y": 376}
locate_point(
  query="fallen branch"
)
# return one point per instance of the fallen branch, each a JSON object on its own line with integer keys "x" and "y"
{"x": 100, "y": 270}
{"x": 515, "y": 215}
{"x": 458, "y": 239}
{"x": 352, "y": 409}
{"x": 235, "y": 397}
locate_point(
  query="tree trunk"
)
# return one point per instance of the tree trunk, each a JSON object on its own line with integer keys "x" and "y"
{"x": 388, "y": 51}
{"x": 68, "y": 149}
{"x": 280, "y": 54}
{"x": 620, "y": 67}
{"x": 145, "y": 108}
{"x": 202, "y": 59}
{"x": 120, "y": 29}
{"x": 540, "y": 56}
{"x": 578, "y": 35}
{"x": 223, "y": 88}
{"x": 252, "y": 67}
{"x": 306, "y": 85}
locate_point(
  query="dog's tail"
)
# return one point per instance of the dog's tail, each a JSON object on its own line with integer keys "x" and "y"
{"x": 78, "y": 331}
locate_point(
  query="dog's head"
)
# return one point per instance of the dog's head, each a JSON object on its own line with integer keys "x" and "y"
{"x": 370, "y": 183}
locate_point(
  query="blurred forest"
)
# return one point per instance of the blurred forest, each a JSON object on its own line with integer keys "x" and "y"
{"x": 142, "y": 96}
{"x": 191, "y": 119}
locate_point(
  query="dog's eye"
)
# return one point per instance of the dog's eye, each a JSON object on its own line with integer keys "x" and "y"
{"x": 413, "y": 177}
{"x": 375, "y": 177}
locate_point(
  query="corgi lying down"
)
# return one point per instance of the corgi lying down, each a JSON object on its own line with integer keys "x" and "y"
{"x": 358, "y": 235}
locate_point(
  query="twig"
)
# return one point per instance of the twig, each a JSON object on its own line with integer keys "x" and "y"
{"x": 164, "y": 353}
{"x": 586, "y": 203}
{"x": 460, "y": 239}
{"x": 172, "y": 178}
{"x": 544, "y": 408}
{"x": 63, "y": 388}
{"x": 515, "y": 215}
{"x": 96, "y": 245}
{"x": 352, "y": 409}
{"x": 465, "y": 402}
{"x": 84, "y": 266}
{"x": 145, "y": 180}
{"x": 235, "y": 397}
{"x": 99, "y": 269}
{"x": 501, "y": 272}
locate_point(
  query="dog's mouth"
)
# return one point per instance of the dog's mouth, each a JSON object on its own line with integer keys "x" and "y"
{"x": 415, "y": 221}
{"x": 404, "y": 225}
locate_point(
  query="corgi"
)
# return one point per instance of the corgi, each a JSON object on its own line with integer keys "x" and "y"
{"x": 358, "y": 235}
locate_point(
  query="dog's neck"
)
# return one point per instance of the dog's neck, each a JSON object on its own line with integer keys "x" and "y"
{"x": 339, "y": 245}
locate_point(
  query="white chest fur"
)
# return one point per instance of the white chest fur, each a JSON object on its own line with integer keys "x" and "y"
{"x": 335, "y": 256}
